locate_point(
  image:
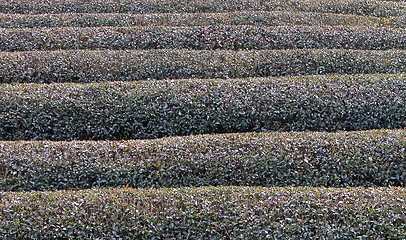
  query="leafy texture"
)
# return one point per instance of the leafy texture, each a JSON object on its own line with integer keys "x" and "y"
{"x": 125, "y": 65}
{"x": 203, "y": 38}
{"x": 255, "y": 18}
{"x": 371, "y": 158}
{"x": 360, "y": 7}
{"x": 93, "y": 52}
{"x": 153, "y": 109}
{"x": 209, "y": 213}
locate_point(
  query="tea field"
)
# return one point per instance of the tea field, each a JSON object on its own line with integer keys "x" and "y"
{"x": 202, "y": 119}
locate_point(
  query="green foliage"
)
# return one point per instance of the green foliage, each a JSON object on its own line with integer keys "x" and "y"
{"x": 255, "y": 18}
{"x": 368, "y": 159}
{"x": 109, "y": 45}
{"x": 206, "y": 213}
{"x": 102, "y": 66}
{"x": 358, "y": 7}
{"x": 225, "y": 37}
{"x": 153, "y": 109}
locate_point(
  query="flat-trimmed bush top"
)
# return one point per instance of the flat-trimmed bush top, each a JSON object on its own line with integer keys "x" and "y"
{"x": 255, "y": 18}
{"x": 360, "y": 7}
{"x": 209, "y": 212}
{"x": 151, "y": 109}
{"x": 225, "y": 37}
{"x": 131, "y": 65}
{"x": 366, "y": 158}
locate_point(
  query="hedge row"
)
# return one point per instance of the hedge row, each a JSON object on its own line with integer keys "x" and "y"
{"x": 359, "y": 7}
{"x": 98, "y": 66}
{"x": 206, "y": 213}
{"x": 256, "y": 18}
{"x": 368, "y": 159}
{"x": 152, "y": 109}
{"x": 203, "y": 38}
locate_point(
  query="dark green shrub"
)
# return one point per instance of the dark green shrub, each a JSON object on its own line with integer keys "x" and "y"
{"x": 368, "y": 159}
{"x": 255, "y": 18}
{"x": 98, "y": 66}
{"x": 206, "y": 213}
{"x": 153, "y": 109}
{"x": 359, "y": 7}
{"x": 203, "y": 38}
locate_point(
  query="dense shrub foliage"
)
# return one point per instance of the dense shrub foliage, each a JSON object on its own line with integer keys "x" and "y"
{"x": 359, "y": 7}
{"x": 69, "y": 75}
{"x": 228, "y": 37}
{"x": 254, "y": 18}
{"x": 151, "y": 109}
{"x": 131, "y": 65}
{"x": 206, "y": 213}
{"x": 371, "y": 158}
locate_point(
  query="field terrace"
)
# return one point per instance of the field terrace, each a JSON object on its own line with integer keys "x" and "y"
{"x": 220, "y": 119}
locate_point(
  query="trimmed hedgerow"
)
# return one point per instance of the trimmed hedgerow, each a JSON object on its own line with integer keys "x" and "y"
{"x": 152, "y": 109}
{"x": 360, "y": 7}
{"x": 255, "y": 18}
{"x": 131, "y": 65}
{"x": 206, "y": 213}
{"x": 368, "y": 159}
{"x": 228, "y": 37}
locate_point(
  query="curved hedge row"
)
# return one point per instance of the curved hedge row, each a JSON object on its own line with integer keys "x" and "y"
{"x": 206, "y": 213}
{"x": 98, "y": 66}
{"x": 359, "y": 7}
{"x": 256, "y": 18}
{"x": 203, "y": 38}
{"x": 153, "y": 109}
{"x": 371, "y": 158}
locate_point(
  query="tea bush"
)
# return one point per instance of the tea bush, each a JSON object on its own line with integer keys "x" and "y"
{"x": 209, "y": 212}
{"x": 153, "y": 109}
{"x": 203, "y": 38}
{"x": 131, "y": 65}
{"x": 376, "y": 8}
{"x": 254, "y": 18}
{"x": 344, "y": 159}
